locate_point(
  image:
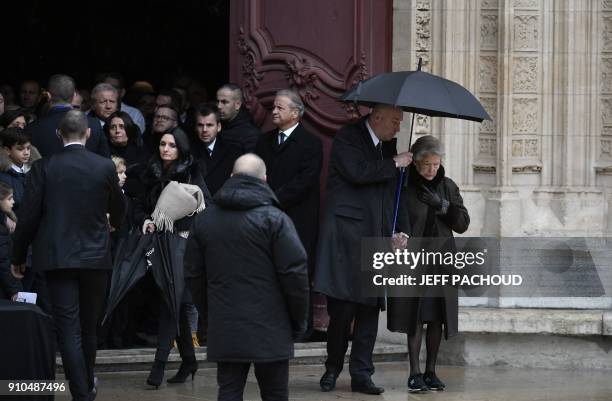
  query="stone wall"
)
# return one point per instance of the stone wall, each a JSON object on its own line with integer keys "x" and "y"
{"x": 543, "y": 71}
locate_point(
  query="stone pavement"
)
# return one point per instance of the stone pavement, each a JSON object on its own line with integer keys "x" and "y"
{"x": 463, "y": 384}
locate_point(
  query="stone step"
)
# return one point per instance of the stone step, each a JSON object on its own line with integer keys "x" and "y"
{"x": 140, "y": 359}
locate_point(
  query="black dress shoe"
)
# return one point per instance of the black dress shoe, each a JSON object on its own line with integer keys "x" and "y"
{"x": 328, "y": 381}
{"x": 367, "y": 388}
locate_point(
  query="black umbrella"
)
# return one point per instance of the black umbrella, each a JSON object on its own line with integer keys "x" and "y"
{"x": 167, "y": 268}
{"x": 129, "y": 267}
{"x": 417, "y": 92}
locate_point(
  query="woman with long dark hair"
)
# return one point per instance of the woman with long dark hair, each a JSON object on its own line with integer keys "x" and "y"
{"x": 431, "y": 207}
{"x": 172, "y": 162}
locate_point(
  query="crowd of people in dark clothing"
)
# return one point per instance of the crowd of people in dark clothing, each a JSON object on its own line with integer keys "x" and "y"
{"x": 155, "y": 137}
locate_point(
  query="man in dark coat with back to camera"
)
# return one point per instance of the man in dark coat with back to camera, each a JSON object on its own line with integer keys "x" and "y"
{"x": 238, "y": 127}
{"x": 360, "y": 194}
{"x": 44, "y": 130}
{"x": 255, "y": 268}
{"x": 64, "y": 216}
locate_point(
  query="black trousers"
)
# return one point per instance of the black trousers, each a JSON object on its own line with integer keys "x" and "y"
{"x": 197, "y": 287}
{"x": 77, "y": 299}
{"x": 272, "y": 377}
{"x": 167, "y": 332}
{"x": 341, "y": 314}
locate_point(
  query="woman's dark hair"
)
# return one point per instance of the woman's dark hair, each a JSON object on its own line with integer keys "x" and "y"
{"x": 131, "y": 129}
{"x": 182, "y": 144}
{"x": 11, "y": 115}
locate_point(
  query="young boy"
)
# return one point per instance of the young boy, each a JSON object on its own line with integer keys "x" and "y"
{"x": 15, "y": 161}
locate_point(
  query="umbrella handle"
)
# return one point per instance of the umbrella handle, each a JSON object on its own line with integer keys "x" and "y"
{"x": 398, "y": 193}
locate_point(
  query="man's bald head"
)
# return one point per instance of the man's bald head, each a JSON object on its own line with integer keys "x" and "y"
{"x": 251, "y": 165}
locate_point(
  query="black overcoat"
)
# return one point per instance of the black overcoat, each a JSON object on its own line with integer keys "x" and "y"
{"x": 218, "y": 167}
{"x": 403, "y": 313}
{"x": 68, "y": 197}
{"x": 44, "y": 133}
{"x": 360, "y": 195}
{"x": 294, "y": 170}
{"x": 256, "y": 274}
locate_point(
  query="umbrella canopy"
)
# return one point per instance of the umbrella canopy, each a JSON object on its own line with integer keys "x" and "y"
{"x": 167, "y": 268}
{"x": 129, "y": 267}
{"x": 418, "y": 92}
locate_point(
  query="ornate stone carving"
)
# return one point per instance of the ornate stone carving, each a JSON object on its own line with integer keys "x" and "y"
{"x": 489, "y": 5}
{"x": 488, "y": 31}
{"x": 525, "y": 74}
{"x": 606, "y": 149}
{"x": 606, "y": 111}
{"x": 249, "y": 67}
{"x": 606, "y": 75}
{"x": 488, "y": 74}
{"x": 606, "y": 33}
{"x": 423, "y": 30}
{"x": 484, "y": 169}
{"x": 527, "y": 169}
{"x": 426, "y": 66}
{"x": 531, "y": 148}
{"x": 487, "y": 147}
{"x": 524, "y": 115}
{"x": 517, "y": 148}
{"x": 421, "y": 124}
{"x": 606, "y": 131}
{"x": 526, "y": 32}
{"x": 302, "y": 77}
{"x": 606, "y": 5}
{"x": 422, "y": 5}
{"x": 490, "y": 105}
{"x": 526, "y": 4}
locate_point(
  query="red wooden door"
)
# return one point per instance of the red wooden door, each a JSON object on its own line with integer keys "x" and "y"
{"x": 318, "y": 47}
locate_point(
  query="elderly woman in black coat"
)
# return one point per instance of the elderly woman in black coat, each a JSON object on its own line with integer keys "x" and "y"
{"x": 431, "y": 207}
{"x": 172, "y": 162}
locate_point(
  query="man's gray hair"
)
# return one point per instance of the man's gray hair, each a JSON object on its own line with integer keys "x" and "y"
{"x": 103, "y": 87}
{"x": 61, "y": 87}
{"x": 235, "y": 89}
{"x": 426, "y": 146}
{"x": 250, "y": 164}
{"x": 73, "y": 125}
{"x": 294, "y": 97}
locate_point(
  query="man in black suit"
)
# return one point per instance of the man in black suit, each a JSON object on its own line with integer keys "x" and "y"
{"x": 211, "y": 148}
{"x": 64, "y": 216}
{"x": 44, "y": 130}
{"x": 293, "y": 158}
{"x": 360, "y": 194}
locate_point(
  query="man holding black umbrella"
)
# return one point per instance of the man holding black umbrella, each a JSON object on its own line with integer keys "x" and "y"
{"x": 363, "y": 171}
{"x": 64, "y": 215}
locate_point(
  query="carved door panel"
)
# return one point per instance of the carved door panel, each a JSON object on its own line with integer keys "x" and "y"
{"x": 318, "y": 47}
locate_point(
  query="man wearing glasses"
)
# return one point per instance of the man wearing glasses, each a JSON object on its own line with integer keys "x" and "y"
{"x": 164, "y": 120}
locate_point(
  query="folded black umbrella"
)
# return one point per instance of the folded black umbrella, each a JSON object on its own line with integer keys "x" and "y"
{"x": 166, "y": 264}
{"x": 129, "y": 267}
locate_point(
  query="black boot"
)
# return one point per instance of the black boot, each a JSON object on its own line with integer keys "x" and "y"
{"x": 189, "y": 366}
{"x": 157, "y": 374}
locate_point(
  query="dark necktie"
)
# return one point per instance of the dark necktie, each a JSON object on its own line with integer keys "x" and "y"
{"x": 379, "y": 149}
{"x": 281, "y": 137}
{"x": 209, "y": 152}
